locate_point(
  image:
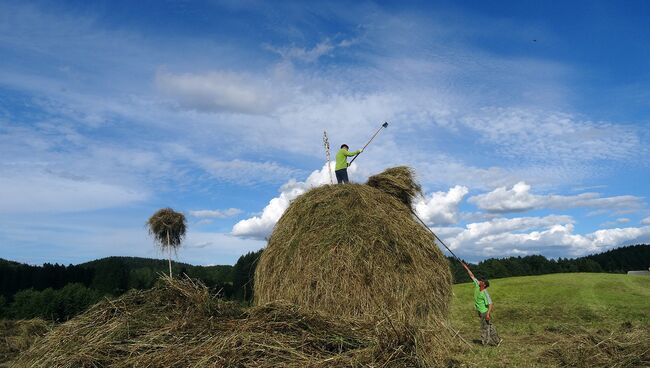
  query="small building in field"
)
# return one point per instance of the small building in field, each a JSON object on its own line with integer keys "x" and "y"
{"x": 640, "y": 273}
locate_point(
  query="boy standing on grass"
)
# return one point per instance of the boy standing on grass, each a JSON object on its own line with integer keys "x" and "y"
{"x": 483, "y": 305}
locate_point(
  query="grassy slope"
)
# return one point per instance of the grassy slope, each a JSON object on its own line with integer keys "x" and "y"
{"x": 528, "y": 309}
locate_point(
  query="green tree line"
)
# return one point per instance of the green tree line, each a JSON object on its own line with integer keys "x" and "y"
{"x": 619, "y": 260}
{"x": 58, "y": 292}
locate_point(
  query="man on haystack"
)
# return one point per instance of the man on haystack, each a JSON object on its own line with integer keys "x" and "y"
{"x": 342, "y": 164}
{"x": 483, "y": 305}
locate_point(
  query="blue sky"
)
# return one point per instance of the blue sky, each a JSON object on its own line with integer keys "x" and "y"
{"x": 527, "y": 123}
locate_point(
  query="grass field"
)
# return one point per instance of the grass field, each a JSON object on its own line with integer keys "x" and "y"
{"x": 534, "y": 314}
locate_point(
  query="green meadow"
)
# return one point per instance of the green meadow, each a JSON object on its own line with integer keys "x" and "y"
{"x": 577, "y": 319}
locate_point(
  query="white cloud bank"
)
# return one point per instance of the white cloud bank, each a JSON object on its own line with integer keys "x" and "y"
{"x": 505, "y": 237}
{"x": 520, "y": 199}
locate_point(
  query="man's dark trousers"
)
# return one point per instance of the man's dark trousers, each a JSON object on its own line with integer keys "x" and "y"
{"x": 342, "y": 176}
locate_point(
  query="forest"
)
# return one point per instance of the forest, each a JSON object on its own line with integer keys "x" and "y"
{"x": 58, "y": 292}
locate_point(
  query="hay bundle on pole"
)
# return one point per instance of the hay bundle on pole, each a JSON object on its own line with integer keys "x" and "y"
{"x": 355, "y": 250}
{"x": 167, "y": 227}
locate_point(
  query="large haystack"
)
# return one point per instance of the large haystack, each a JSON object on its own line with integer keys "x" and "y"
{"x": 180, "y": 324}
{"x": 356, "y": 250}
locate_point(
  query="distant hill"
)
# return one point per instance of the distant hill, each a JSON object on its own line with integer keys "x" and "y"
{"x": 7, "y": 262}
{"x": 111, "y": 275}
{"x": 57, "y": 292}
{"x": 623, "y": 259}
{"x": 117, "y": 274}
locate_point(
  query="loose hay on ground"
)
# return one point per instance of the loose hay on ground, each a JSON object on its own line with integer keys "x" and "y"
{"x": 627, "y": 347}
{"x": 356, "y": 250}
{"x": 17, "y": 336}
{"x": 180, "y": 324}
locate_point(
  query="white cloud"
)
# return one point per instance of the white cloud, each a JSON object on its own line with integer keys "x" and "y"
{"x": 34, "y": 192}
{"x": 506, "y": 200}
{"x": 260, "y": 227}
{"x": 441, "y": 208}
{"x": 322, "y": 48}
{"x": 646, "y": 221}
{"x": 481, "y": 230}
{"x": 609, "y": 238}
{"x": 618, "y": 221}
{"x": 247, "y": 172}
{"x": 230, "y": 212}
{"x": 219, "y": 91}
{"x": 519, "y": 199}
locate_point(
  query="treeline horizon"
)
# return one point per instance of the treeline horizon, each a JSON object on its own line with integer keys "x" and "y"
{"x": 58, "y": 292}
{"x": 617, "y": 260}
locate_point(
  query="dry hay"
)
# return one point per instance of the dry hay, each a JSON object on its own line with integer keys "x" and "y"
{"x": 627, "y": 347}
{"x": 356, "y": 250}
{"x": 168, "y": 227}
{"x": 398, "y": 182}
{"x": 180, "y": 324}
{"x": 17, "y": 336}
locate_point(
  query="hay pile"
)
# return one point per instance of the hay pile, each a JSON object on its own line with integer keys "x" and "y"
{"x": 356, "y": 250}
{"x": 180, "y": 324}
{"x": 626, "y": 347}
{"x": 398, "y": 182}
{"x": 17, "y": 336}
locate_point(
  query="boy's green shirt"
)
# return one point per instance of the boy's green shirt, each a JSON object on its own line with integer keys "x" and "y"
{"x": 481, "y": 298}
{"x": 341, "y": 158}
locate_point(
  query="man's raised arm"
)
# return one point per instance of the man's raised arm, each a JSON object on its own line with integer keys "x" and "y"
{"x": 471, "y": 275}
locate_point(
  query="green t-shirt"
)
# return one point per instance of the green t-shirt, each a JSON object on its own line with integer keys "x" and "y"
{"x": 341, "y": 158}
{"x": 481, "y": 298}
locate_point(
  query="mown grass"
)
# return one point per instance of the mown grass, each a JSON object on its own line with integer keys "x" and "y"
{"x": 534, "y": 314}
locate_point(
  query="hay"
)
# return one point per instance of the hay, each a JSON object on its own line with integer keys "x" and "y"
{"x": 626, "y": 347}
{"x": 168, "y": 228}
{"x": 17, "y": 336}
{"x": 355, "y": 250}
{"x": 398, "y": 182}
{"x": 180, "y": 324}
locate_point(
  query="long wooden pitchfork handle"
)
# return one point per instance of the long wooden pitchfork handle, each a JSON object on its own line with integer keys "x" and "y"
{"x": 384, "y": 125}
